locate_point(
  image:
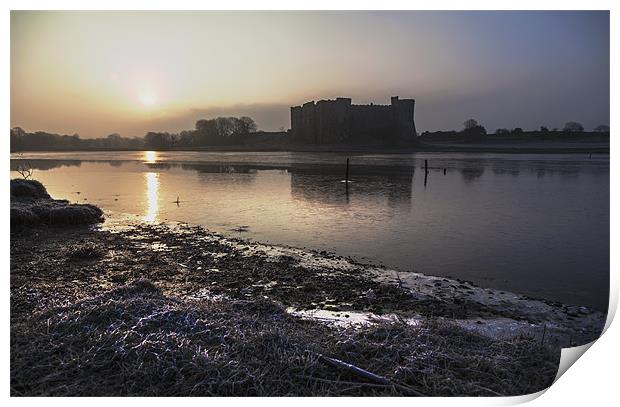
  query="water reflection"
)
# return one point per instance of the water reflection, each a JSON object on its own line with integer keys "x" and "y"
{"x": 472, "y": 170}
{"x": 464, "y": 224}
{"x": 43, "y": 165}
{"x": 314, "y": 187}
{"x": 152, "y": 196}
{"x": 150, "y": 157}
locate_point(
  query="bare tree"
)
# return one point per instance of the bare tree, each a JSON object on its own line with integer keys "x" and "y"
{"x": 473, "y": 129}
{"x": 602, "y": 128}
{"x": 470, "y": 124}
{"x": 573, "y": 127}
{"x": 24, "y": 168}
{"x": 247, "y": 124}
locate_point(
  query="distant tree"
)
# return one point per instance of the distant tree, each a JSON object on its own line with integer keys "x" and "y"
{"x": 517, "y": 130}
{"x": 203, "y": 125}
{"x": 502, "y": 132}
{"x": 173, "y": 139}
{"x": 602, "y": 128}
{"x": 221, "y": 130}
{"x": 544, "y": 129}
{"x": 473, "y": 129}
{"x": 225, "y": 127}
{"x": 186, "y": 138}
{"x": 153, "y": 140}
{"x": 159, "y": 140}
{"x": 18, "y": 132}
{"x": 73, "y": 141}
{"x": 114, "y": 140}
{"x": 246, "y": 125}
{"x": 40, "y": 140}
{"x": 573, "y": 127}
{"x": 470, "y": 124}
{"x": 16, "y": 138}
{"x": 206, "y": 132}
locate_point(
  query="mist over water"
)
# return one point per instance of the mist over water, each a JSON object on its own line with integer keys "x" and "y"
{"x": 530, "y": 223}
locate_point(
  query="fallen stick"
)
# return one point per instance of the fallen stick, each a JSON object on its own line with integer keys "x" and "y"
{"x": 368, "y": 375}
{"x": 347, "y": 383}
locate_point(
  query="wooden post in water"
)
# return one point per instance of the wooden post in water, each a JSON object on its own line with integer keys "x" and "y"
{"x": 444, "y": 171}
{"x": 347, "y": 175}
{"x": 425, "y": 165}
{"x": 346, "y": 179}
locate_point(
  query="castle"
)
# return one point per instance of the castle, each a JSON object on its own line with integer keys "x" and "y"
{"x": 339, "y": 121}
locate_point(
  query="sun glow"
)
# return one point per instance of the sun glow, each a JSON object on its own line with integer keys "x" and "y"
{"x": 147, "y": 97}
{"x": 150, "y": 157}
{"x": 152, "y": 196}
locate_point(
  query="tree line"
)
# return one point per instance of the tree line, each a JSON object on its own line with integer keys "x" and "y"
{"x": 471, "y": 128}
{"x": 222, "y": 131}
{"x": 207, "y": 132}
{"x": 40, "y": 140}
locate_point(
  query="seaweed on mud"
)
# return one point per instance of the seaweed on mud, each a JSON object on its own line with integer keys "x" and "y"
{"x": 133, "y": 340}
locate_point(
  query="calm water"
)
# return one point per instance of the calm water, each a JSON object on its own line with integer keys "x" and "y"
{"x": 534, "y": 224}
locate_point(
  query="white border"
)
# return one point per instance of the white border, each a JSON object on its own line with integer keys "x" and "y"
{"x": 591, "y": 382}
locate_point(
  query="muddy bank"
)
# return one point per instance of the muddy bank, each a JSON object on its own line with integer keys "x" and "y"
{"x": 216, "y": 316}
{"x": 49, "y": 268}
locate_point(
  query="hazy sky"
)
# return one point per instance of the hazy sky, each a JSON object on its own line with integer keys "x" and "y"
{"x": 95, "y": 73}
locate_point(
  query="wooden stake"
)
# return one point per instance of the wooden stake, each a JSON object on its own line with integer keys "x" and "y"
{"x": 347, "y": 175}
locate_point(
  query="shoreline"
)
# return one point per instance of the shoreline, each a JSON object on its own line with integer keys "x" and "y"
{"x": 87, "y": 301}
{"x": 495, "y": 147}
{"x": 308, "y": 282}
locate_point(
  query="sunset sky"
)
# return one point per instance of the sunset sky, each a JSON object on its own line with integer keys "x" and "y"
{"x": 96, "y": 73}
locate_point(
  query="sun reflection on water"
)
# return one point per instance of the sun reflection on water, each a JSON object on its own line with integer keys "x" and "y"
{"x": 152, "y": 196}
{"x": 150, "y": 157}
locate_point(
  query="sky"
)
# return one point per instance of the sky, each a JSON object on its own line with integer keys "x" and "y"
{"x": 130, "y": 72}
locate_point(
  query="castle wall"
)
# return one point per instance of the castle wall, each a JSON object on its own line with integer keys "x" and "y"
{"x": 296, "y": 120}
{"x": 372, "y": 122}
{"x": 338, "y": 121}
{"x": 331, "y": 120}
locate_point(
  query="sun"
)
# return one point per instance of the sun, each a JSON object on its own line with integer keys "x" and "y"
{"x": 147, "y": 97}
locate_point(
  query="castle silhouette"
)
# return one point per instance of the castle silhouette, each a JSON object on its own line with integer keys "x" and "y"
{"x": 339, "y": 121}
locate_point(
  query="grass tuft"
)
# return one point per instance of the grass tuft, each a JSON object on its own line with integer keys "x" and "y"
{"x": 32, "y": 206}
{"x": 28, "y": 189}
{"x": 133, "y": 340}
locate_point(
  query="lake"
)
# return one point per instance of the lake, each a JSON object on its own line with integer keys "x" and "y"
{"x": 536, "y": 224}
